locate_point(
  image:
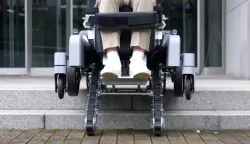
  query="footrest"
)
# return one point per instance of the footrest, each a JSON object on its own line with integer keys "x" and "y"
{"x": 124, "y": 81}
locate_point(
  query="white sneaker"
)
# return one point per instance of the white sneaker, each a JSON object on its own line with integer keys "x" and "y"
{"x": 138, "y": 68}
{"x": 111, "y": 70}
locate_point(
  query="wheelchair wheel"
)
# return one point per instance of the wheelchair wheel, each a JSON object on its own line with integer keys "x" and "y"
{"x": 188, "y": 88}
{"x": 61, "y": 87}
{"x": 178, "y": 82}
{"x": 73, "y": 79}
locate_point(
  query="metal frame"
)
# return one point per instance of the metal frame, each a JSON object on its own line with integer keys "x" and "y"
{"x": 28, "y": 36}
{"x": 200, "y": 36}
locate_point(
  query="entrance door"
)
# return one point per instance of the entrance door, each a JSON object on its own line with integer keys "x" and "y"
{"x": 182, "y": 16}
{"x": 12, "y": 37}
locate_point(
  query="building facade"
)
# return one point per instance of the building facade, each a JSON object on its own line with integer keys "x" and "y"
{"x": 217, "y": 31}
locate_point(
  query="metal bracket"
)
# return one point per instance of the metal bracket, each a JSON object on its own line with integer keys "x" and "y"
{"x": 86, "y": 21}
{"x": 163, "y": 24}
{"x": 158, "y": 35}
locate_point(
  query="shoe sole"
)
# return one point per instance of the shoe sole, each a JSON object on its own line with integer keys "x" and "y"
{"x": 142, "y": 76}
{"x": 109, "y": 76}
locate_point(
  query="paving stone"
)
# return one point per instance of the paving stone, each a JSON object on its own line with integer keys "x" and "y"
{"x": 108, "y": 138}
{"x": 125, "y": 137}
{"x": 209, "y": 138}
{"x": 240, "y": 136}
{"x": 247, "y": 132}
{"x": 11, "y": 135}
{"x": 192, "y": 137}
{"x": 72, "y": 142}
{"x": 58, "y": 137}
{"x": 2, "y": 132}
{"x": 226, "y": 138}
{"x": 44, "y": 135}
{"x": 160, "y": 140}
{"x": 27, "y": 136}
{"x": 19, "y": 141}
{"x": 122, "y": 137}
{"x": 142, "y": 138}
{"x": 76, "y": 135}
{"x": 176, "y": 137}
{"x": 92, "y": 139}
{"x": 37, "y": 142}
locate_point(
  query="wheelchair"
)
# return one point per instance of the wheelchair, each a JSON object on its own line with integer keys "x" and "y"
{"x": 87, "y": 58}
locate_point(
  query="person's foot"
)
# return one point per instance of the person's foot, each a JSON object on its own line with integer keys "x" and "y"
{"x": 112, "y": 68}
{"x": 138, "y": 68}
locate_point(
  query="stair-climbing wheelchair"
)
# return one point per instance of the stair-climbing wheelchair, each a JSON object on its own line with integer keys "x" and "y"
{"x": 86, "y": 58}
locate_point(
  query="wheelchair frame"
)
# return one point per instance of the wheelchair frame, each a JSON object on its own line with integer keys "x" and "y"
{"x": 164, "y": 60}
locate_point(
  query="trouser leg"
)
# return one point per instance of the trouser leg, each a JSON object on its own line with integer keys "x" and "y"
{"x": 110, "y": 38}
{"x": 141, "y": 38}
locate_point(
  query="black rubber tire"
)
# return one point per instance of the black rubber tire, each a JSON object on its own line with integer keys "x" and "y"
{"x": 178, "y": 82}
{"x": 188, "y": 88}
{"x": 73, "y": 81}
{"x": 158, "y": 129}
{"x": 90, "y": 130}
{"x": 60, "y": 88}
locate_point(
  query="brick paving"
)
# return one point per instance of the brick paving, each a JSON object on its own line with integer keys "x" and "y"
{"x": 40, "y": 136}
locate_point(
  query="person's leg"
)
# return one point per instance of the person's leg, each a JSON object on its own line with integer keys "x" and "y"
{"x": 140, "y": 42}
{"x": 110, "y": 40}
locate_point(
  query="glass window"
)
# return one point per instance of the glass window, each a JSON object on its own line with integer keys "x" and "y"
{"x": 79, "y": 7}
{"x": 48, "y": 31}
{"x": 12, "y": 34}
{"x": 213, "y": 33}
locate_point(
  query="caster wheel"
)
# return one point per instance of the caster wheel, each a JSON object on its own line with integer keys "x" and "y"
{"x": 73, "y": 79}
{"x": 188, "y": 88}
{"x": 178, "y": 84}
{"x": 60, "y": 88}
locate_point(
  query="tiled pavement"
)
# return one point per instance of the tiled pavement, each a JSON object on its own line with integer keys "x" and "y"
{"x": 122, "y": 137}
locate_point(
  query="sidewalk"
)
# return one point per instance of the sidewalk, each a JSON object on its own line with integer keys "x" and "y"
{"x": 121, "y": 137}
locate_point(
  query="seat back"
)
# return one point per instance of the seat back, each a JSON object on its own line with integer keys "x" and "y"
{"x": 125, "y": 51}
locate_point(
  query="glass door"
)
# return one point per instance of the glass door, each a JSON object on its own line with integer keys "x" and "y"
{"x": 48, "y": 31}
{"x": 12, "y": 34}
{"x": 182, "y": 16}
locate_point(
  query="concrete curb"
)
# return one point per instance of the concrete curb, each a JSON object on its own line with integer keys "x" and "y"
{"x": 175, "y": 120}
{"x": 48, "y": 100}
